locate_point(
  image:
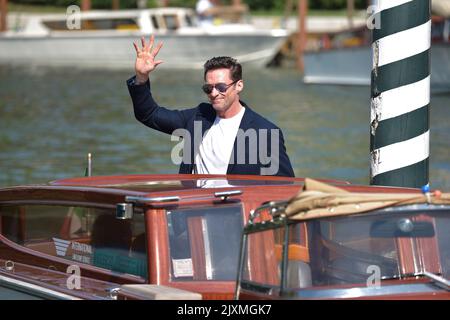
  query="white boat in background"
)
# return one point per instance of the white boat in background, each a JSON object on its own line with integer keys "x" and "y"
{"x": 353, "y": 66}
{"x": 105, "y": 40}
{"x": 348, "y": 58}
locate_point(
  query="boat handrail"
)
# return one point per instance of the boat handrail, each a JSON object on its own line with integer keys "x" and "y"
{"x": 141, "y": 200}
{"x": 224, "y": 195}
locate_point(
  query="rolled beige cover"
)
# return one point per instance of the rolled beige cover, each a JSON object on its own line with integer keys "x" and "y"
{"x": 318, "y": 199}
{"x": 441, "y": 8}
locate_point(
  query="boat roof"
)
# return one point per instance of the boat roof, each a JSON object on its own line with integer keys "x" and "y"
{"x": 176, "y": 185}
{"x": 110, "y": 14}
{"x": 174, "y": 182}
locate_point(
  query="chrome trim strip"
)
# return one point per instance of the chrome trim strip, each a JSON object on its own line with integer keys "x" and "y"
{"x": 360, "y": 292}
{"x": 438, "y": 279}
{"x": 156, "y": 199}
{"x": 208, "y": 258}
{"x": 34, "y": 289}
{"x": 346, "y": 293}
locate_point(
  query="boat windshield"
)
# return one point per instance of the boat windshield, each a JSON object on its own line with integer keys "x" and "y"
{"x": 204, "y": 242}
{"x": 94, "y": 24}
{"x": 359, "y": 249}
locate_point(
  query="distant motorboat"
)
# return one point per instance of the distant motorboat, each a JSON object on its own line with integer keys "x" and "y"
{"x": 353, "y": 66}
{"x": 347, "y": 58}
{"x": 104, "y": 39}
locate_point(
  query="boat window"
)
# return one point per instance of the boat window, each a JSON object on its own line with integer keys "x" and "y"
{"x": 442, "y": 225}
{"x": 342, "y": 251}
{"x": 189, "y": 20}
{"x": 95, "y": 24}
{"x": 155, "y": 22}
{"x": 83, "y": 235}
{"x": 204, "y": 243}
{"x": 262, "y": 258}
{"x": 264, "y": 255}
{"x": 349, "y": 250}
{"x": 171, "y": 21}
{"x": 298, "y": 272}
{"x": 440, "y": 29}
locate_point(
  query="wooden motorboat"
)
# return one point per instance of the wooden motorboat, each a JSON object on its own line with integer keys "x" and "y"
{"x": 129, "y": 237}
{"x": 348, "y": 243}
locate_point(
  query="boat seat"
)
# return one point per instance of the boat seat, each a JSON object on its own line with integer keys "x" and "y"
{"x": 298, "y": 274}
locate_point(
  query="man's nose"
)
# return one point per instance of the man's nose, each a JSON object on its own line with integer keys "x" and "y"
{"x": 215, "y": 92}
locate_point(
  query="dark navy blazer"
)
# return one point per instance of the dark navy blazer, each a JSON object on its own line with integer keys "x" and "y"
{"x": 148, "y": 112}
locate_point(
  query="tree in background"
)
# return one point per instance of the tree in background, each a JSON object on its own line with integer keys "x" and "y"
{"x": 261, "y": 5}
{"x": 96, "y": 4}
{"x": 336, "y": 4}
{"x": 312, "y": 4}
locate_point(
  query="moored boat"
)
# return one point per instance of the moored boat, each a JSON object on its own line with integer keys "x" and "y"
{"x": 104, "y": 39}
{"x": 345, "y": 58}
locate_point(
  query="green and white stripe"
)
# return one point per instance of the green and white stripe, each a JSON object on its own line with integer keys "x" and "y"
{"x": 400, "y": 128}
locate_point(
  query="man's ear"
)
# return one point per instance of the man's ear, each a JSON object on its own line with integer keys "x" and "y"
{"x": 240, "y": 86}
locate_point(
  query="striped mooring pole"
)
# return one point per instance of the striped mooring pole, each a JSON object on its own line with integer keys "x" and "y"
{"x": 400, "y": 94}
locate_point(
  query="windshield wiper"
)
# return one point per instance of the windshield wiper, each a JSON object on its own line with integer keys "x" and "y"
{"x": 440, "y": 280}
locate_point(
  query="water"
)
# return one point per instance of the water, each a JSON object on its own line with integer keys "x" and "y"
{"x": 50, "y": 119}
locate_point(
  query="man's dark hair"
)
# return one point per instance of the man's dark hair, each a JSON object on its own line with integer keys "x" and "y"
{"x": 226, "y": 63}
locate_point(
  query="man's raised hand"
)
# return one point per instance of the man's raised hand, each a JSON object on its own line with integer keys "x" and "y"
{"x": 145, "y": 59}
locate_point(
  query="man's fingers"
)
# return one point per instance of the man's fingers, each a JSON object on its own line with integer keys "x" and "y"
{"x": 151, "y": 42}
{"x": 143, "y": 42}
{"x": 157, "y": 63}
{"x": 158, "y": 47}
{"x": 136, "y": 47}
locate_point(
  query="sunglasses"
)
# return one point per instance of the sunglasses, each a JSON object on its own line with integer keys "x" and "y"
{"x": 221, "y": 87}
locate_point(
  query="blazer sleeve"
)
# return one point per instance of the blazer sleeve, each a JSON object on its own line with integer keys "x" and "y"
{"x": 148, "y": 112}
{"x": 278, "y": 162}
{"x": 285, "y": 168}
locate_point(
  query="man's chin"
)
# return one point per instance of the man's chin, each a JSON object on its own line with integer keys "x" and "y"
{"x": 217, "y": 107}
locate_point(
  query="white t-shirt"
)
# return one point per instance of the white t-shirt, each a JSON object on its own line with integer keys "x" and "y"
{"x": 216, "y": 147}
